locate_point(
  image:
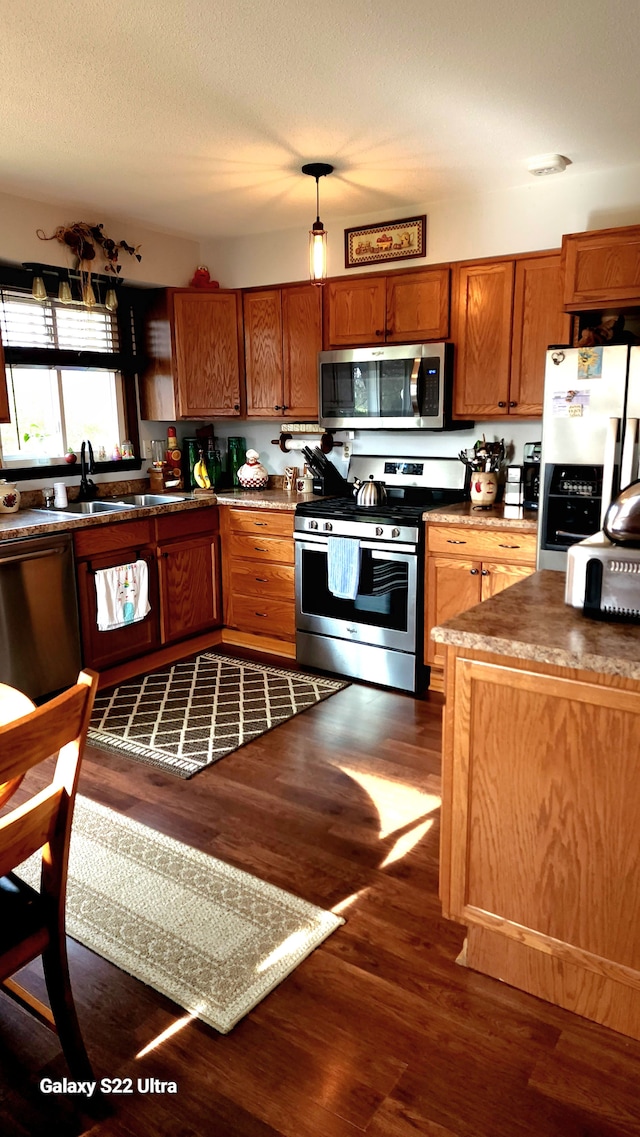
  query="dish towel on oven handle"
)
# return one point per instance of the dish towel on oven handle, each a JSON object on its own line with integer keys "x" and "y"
{"x": 122, "y": 595}
{"x": 343, "y": 567}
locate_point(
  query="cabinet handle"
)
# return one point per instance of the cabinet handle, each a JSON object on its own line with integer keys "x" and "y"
{"x": 284, "y": 407}
{"x": 508, "y": 546}
{"x": 236, "y": 406}
{"x": 450, "y": 541}
{"x": 388, "y": 331}
{"x": 259, "y": 550}
{"x": 379, "y": 332}
{"x": 485, "y": 572}
{"x": 262, "y": 579}
{"x": 474, "y": 572}
{"x": 261, "y": 524}
{"x": 165, "y": 554}
{"x": 513, "y": 404}
{"x": 263, "y": 614}
{"x": 278, "y": 408}
{"x": 502, "y": 404}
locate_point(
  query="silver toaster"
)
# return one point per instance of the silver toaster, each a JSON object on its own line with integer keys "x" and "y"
{"x": 604, "y": 579}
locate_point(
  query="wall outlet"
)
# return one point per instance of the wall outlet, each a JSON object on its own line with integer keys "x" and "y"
{"x": 346, "y": 450}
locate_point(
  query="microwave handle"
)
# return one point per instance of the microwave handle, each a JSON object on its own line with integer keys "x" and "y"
{"x": 413, "y": 387}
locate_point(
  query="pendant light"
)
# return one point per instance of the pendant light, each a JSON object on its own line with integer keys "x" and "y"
{"x": 64, "y": 291}
{"x": 111, "y": 300}
{"x": 317, "y": 233}
{"x": 38, "y": 290}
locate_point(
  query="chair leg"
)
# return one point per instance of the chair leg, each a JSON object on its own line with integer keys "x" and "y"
{"x": 56, "y": 973}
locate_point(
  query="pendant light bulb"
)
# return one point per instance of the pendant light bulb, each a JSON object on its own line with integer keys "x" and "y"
{"x": 64, "y": 292}
{"x": 88, "y": 295}
{"x": 38, "y": 290}
{"x": 111, "y": 300}
{"x": 317, "y": 233}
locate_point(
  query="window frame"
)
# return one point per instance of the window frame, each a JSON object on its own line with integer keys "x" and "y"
{"x": 126, "y": 361}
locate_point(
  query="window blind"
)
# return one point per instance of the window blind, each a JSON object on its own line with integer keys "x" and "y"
{"x": 27, "y": 322}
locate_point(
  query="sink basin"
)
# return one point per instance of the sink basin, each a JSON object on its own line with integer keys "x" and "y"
{"x": 79, "y": 507}
{"x": 142, "y": 499}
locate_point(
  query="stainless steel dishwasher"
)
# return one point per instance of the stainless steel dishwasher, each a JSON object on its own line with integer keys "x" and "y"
{"x": 39, "y": 630}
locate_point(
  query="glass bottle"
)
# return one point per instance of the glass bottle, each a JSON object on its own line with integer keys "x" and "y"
{"x": 236, "y": 450}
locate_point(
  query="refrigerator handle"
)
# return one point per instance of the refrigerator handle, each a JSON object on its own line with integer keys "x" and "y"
{"x": 626, "y": 465}
{"x": 609, "y": 466}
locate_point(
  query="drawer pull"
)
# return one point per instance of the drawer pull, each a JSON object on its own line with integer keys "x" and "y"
{"x": 259, "y": 549}
{"x": 508, "y": 546}
{"x": 262, "y": 579}
{"x": 260, "y": 524}
{"x": 263, "y": 614}
{"x": 450, "y": 541}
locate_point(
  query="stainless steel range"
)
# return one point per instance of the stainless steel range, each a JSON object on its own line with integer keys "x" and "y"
{"x": 360, "y": 571}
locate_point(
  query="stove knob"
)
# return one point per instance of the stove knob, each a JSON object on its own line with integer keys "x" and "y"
{"x": 379, "y": 530}
{"x": 313, "y": 524}
{"x": 395, "y": 532}
{"x": 328, "y": 526}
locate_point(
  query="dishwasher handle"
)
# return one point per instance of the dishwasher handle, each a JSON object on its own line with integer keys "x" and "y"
{"x": 50, "y": 552}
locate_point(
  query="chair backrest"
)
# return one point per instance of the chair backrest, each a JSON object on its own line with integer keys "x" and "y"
{"x": 44, "y": 821}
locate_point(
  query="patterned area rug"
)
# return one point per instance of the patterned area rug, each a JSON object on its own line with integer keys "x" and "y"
{"x": 212, "y": 938}
{"x": 195, "y": 712}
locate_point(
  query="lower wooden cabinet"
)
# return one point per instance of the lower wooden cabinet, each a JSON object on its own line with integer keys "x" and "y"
{"x": 464, "y": 566}
{"x": 182, "y": 554}
{"x": 258, "y": 573}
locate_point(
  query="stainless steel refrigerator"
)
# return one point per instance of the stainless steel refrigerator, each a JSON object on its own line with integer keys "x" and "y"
{"x": 589, "y": 443}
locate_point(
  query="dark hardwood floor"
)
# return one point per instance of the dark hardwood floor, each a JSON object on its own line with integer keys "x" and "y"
{"x": 379, "y": 1031}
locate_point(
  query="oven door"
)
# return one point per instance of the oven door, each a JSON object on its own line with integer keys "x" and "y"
{"x": 385, "y": 610}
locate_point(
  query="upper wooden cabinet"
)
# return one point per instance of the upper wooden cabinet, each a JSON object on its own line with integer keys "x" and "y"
{"x": 4, "y": 394}
{"x": 506, "y": 313}
{"x": 195, "y": 352}
{"x": 601, "y": 268}
{"x": 282, "y": 338}
{"x": 398, "y": 308}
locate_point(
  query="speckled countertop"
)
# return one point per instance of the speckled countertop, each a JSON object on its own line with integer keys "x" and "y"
{"x": 263, "y": 499}
{"x": 39, "y": 522}
{"x": 531, "y": 621}
{"x": 499, "y": 516}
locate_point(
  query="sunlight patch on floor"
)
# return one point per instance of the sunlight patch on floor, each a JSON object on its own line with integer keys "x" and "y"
{"x": 176, "y": 1026}
{"x": 406, "y": 843}
{"x": 292, "y": 943}
{"x": 342, "y": 905}
{"x": 397, "y": 804}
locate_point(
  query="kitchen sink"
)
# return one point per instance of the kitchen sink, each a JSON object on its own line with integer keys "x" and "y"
{"x": 79, "y": 507}
{"x": 146, "y": 499}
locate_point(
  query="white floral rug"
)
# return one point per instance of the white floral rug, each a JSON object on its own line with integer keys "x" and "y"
{"x": 214, "y": 939}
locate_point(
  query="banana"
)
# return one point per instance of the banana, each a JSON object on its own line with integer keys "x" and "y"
{"x": 201, "y": 475}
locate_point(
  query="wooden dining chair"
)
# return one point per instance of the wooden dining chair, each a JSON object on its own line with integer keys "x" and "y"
{"x": 33, "y": 923}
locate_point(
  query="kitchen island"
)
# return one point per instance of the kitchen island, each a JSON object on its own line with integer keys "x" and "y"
{"x": 540, "y": 857}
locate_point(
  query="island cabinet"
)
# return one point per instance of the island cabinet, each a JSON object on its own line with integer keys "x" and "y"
{"x": 282, "y": 338}
{"x": 258, "y": 579}
{"x": 182, "y": 555}
{"x": 464, "y": 566}
{"x": 601, "y": 268}
{"x": 194, "y": 349}
{"x": 401, "y": 307}
{"x": 505, "y": 313}
{"x": 540, "y": 807}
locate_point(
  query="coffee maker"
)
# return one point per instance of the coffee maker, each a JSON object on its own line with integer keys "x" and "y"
{"x": 531, "y": 475}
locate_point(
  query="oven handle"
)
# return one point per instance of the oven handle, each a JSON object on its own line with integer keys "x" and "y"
{"x": 309, "y": 541}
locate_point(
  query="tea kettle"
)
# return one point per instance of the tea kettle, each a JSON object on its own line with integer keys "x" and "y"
{"x": 622, "y": 520}
{"x": 369, "y": 493}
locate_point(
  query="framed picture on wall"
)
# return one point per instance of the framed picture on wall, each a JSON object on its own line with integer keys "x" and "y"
{"x": 391, "y": 241}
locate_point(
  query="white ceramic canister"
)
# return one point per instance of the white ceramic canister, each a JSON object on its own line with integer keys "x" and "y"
{"x": 252, "y": 475}
{"x": 9, "y": 497}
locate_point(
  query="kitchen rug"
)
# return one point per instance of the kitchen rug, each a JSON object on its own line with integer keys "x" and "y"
{"x": 193, "y": 713}
{"x": 214, "y": 939}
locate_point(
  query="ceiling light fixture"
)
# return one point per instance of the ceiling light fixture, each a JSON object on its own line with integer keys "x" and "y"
{"x": 544, "y": 164}
{"x": 317, "y": 233}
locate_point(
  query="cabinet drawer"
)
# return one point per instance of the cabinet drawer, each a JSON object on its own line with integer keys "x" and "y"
{"x": 188, "y": 524}
{"x": 263, "y": 579}
{"x": 110, "y": 538}
{"x": 262, "y": 614}
{"x": 266, "y": 522}
{"x": 508, "y": 545}
{"x": 260, "y": 548}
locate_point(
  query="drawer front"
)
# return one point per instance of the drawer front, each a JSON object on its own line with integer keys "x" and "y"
{"x": 508, "y": 545}
{"x": 263, "y": 579}
{"x": 262, "y": 614}
{"x": 191, "y": 523}
{"x": 110, "y": 538}
{"x": 256, "y": 547}
{"x": 267, "y": 522}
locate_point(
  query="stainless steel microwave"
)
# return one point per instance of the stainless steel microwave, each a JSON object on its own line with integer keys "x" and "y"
{"x": 397, "y": 387}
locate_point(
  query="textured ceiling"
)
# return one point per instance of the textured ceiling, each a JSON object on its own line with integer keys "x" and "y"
{"x": 195, "y": 116}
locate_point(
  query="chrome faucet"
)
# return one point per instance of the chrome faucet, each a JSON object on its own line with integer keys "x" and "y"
{"x": 88, "y": 488}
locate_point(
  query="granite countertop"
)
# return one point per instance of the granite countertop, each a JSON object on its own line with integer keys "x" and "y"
{"x": 499, "y": 516}
{"x": 531, "y": 621}
{"x": 263, "y": 499}
{"x": 39, "y": 522}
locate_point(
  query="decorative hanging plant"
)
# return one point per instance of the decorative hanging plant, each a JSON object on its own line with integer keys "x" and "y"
{"x": 83, "y": 240}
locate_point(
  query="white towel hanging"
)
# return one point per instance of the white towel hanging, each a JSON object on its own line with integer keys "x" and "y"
{"x": 122, "y": 595}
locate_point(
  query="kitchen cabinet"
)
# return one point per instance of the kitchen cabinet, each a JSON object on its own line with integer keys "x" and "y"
{"x": 258, "y": 578}
{"x": 464, "y": 566}
{"x": 601, "y": 268}
{"x": 282, "y": 338}
{"x": 506, "y": 313}
{"x": 4, "y": 393}
{"x": 182, "y": 555}
{"x": 395, "y": 308}
{"x": 194, "y": 348}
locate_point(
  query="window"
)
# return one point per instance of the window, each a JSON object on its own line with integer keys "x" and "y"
{"x": 64, "y": 379}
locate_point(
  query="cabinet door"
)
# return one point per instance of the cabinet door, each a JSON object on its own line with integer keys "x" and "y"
{"x": 496, "y": 577}
{"x": 484, "y": 296}
{"x": 418, "y": 306}
{"x": 4, "y": 394}
{"x": 206, "y": 353}
{"x": 189, "y": 590}
{"x": 263, "y": 352}
{"x": 601, "y": 268}
{"x": 356, "y": 311}
{"x": 453, "y": 586}
{"x": 302, "y": 340}
{"x": 104, "y": 649}
{"x": 538, "y": 320}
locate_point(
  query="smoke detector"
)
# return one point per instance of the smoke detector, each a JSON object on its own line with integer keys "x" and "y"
{"x": 547, "y": 164}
